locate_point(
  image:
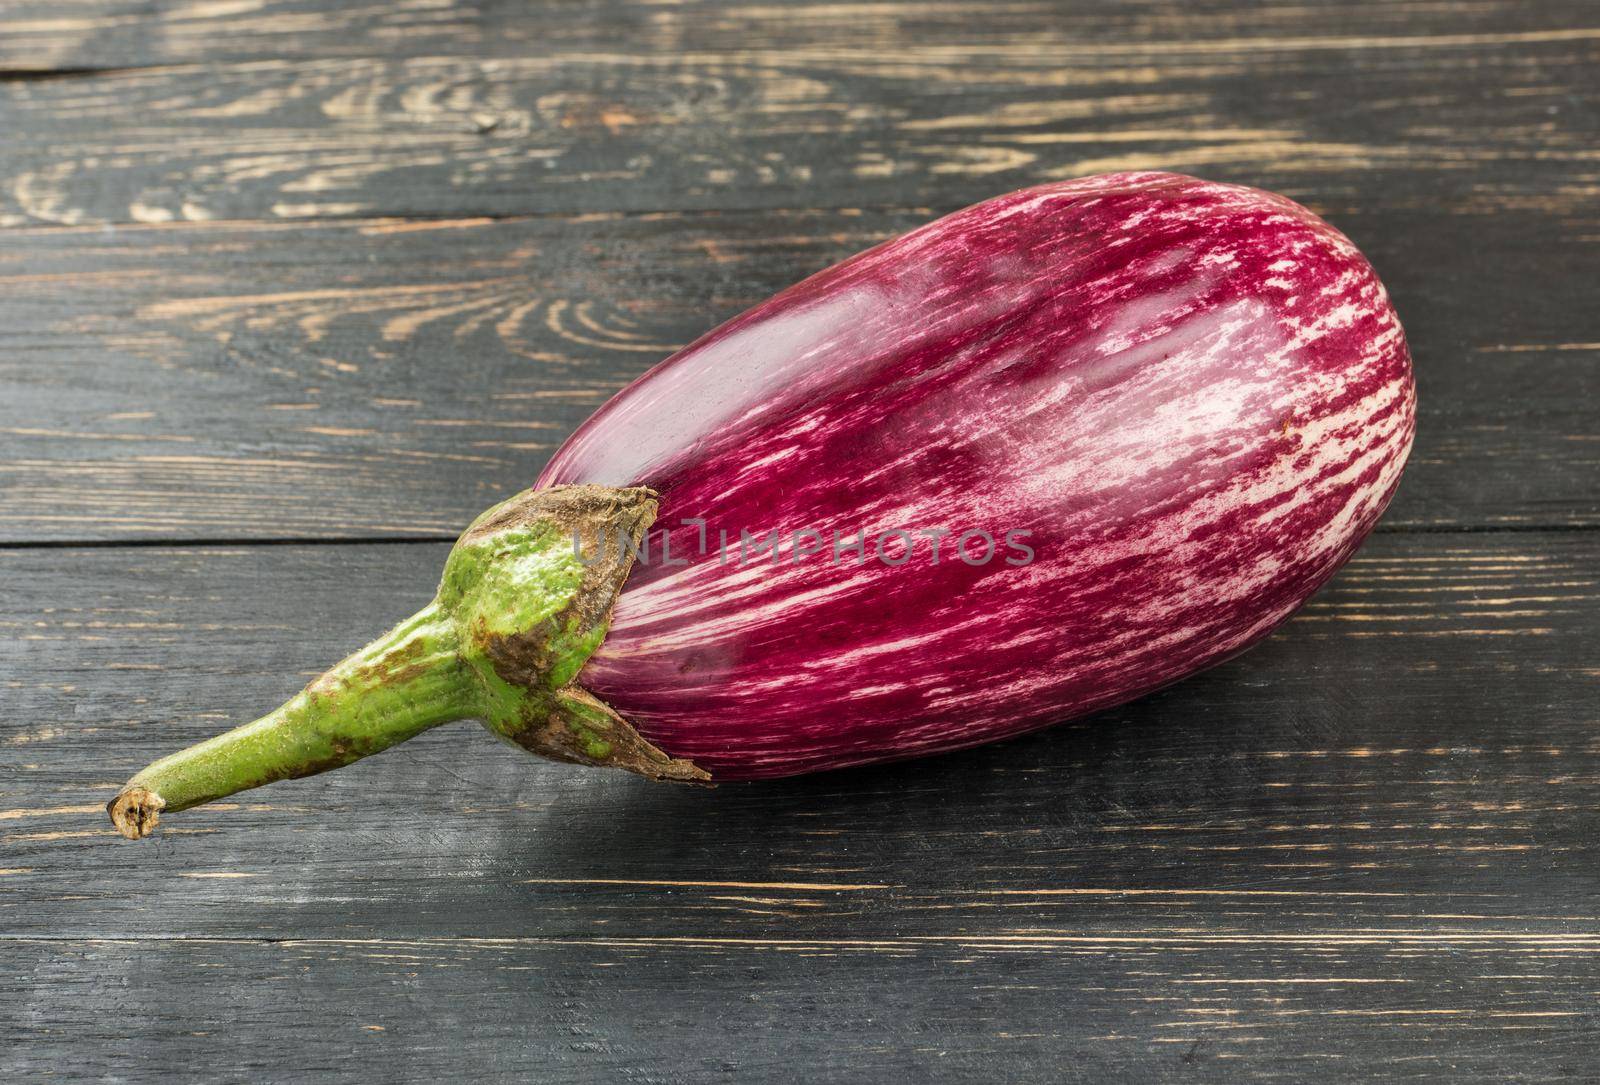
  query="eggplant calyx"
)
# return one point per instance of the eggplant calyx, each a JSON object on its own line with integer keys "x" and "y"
{"x": 532, "y": 584}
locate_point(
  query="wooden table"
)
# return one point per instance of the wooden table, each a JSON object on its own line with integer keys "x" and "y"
{"x": 290, "y": 289}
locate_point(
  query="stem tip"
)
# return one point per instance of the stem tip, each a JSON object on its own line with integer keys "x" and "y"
{"x": 135, "y": 812}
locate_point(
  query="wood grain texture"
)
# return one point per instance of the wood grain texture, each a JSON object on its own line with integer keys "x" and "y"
{"x": 576, "y": 108}
{"x": 344, "y": 380}
{"x": 1363, "y": 844}
{"x": 44, "y": 36}
{"x": 278, "y": 269}
{"x": 1098, "y": 1007}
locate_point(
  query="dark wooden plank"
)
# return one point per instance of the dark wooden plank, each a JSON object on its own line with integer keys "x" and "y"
{"x": 758, "y": 106}
{"x": 1415, "y": 743}
{"x": 45, "y": 36}
{"x": 1359, "y": 850}
{"x": 1509, "y": 1006}
{"x": 1360, "y": 847}
{"x": 382, "y": 378}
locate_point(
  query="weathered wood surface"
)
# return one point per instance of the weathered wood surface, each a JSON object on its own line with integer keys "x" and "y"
{"x": 94, "y": 35}
{"x": 303, "y": 269}
{"x": 343, "y": 380}
{"x": 380, "y": 378}
{"x": 1361, "y": 848}
{"x": 1088, "y": 1008}
{"x": 1477, "y": 110}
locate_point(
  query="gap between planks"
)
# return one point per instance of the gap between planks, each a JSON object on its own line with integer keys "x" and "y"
{"x": 198, "y": 542}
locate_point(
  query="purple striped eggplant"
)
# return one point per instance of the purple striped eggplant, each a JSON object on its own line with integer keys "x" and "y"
{"x": 1031, "y": 460}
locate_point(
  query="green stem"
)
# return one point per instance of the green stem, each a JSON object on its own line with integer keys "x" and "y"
{"x": 398, "y": 686}
{"x": 516, "y": 615}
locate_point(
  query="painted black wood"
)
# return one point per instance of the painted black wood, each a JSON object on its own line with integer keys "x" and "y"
{"x": 1086, "y": 1008}
{"x": 118, "y": 34}
{"x": 394, "y": 378}
{"x": 1368, "y": 833}
{"x": 287, "y": 269}
{"x": 653, "y": 107}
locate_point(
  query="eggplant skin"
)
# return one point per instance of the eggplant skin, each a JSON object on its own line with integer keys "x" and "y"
{"x": 1195, "y": 398}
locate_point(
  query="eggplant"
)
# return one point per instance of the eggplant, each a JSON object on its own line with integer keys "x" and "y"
{"x": 1034, "y": 459}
